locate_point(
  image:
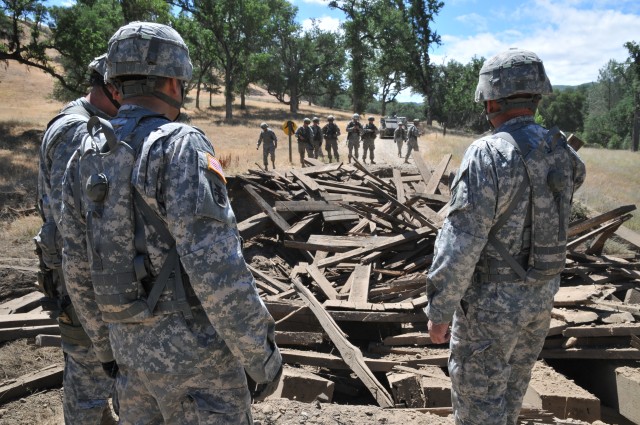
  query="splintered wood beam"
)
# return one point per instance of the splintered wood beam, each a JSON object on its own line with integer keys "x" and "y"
{"x": 266, "y": 208}
{"x": 397, "y": 182}
{"x": 360, "y": 287}
{"x": 422, "y": 167}
{"x": 305, "y": 181}
{"x": 412, "y": 211}
{"x": 302, "y": 224}
{"x": 389, "y": 243}
{"x": 351, "y": 355}
{"x": 583, "y": 226}
{"x": 48, "y": 377}
{"x": 272, "y": 285}
{"x": 366, "y": 306}
{"x": 329, "y": 361}
{"x": 432, "y": 184}
{"x": 306, "y": 206}
{"x": 22, "y": 304}
{"x": 323, "y": 284}
{"x": 582, "y": 239}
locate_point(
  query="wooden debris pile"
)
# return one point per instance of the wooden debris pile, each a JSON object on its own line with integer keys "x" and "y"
{"x": 353, "y": 244}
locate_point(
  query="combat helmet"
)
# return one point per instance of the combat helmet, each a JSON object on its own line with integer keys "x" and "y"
{"x": 356, "y": 116}
{"x": 307, "y": 120}
{"x": 264, "y": 125}
{"x": 97, "y": 69}
{"x": 147, "y": 49}
{"x": 99, "y": 65}
{"x": 315, "y": 119}
{"x": 330, "y": 118}
{"x": 511, "y": 73}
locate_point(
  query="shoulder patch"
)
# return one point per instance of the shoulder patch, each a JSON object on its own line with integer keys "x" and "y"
{"x": 214, "y": 165}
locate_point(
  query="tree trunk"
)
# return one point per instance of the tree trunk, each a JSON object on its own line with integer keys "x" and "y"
{"x": 293, "y": 100}
{"x": 198, "y": 94}
{"x": 228, "y": 95}
{"x": 243, "y": 105}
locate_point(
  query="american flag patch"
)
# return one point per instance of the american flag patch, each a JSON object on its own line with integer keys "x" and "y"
{"x": 214, "y": 165}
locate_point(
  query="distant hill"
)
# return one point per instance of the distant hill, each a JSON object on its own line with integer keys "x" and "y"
{"x": 560, "y": 87}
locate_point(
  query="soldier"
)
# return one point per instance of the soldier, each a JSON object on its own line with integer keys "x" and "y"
{"x": 503, "y": 244}
{"x": 86, "y": 387}
{"x": 331, "y": 132}
{"x": 413, "y": 132}
{"x": 269, "y": 144}
{"x": 369, "y": 133}
{"x": 317, "y": 138}
{"x": 399, "y": 136}
{"x": 354, "y": 129}
{"x": 152, "y": 224}
{"x": 304, "y": 135}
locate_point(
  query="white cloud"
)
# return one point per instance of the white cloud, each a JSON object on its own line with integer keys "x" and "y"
{"x": 573, "y": 41}
{"x": 475, "y": 20}
{"x": 321, "y": 2}
{"x": 325, "y": 23}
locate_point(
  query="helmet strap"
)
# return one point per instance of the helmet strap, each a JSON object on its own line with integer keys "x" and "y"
{"x": 530, "y": 103}
{"x": 107, "y": 93}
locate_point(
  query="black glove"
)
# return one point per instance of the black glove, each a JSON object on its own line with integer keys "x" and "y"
{"x": 259, "y": 392}
{"x": 111, "y": 369}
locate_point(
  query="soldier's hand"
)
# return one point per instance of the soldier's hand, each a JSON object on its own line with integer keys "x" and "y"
{"x": 257, "y": 147}
{"x": 111, "y": 369}
{"x": 439, "y": 332}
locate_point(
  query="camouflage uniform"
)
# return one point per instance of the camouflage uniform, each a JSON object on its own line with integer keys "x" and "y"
{"x": 86, "y": 387}
{"x": 412, "y": 140}
{"x": 305, "y": 137}
{"x": 354, "y": 128}
{"x": 369, "y": 133}
{"x": 317, "y": 141}
{"x": 331, "y": 132}
{"x": 399, "y": 136}
{"x": 269, "y": 143}
{"x": 177, "y": 366}
{"x": 498, "y": 327}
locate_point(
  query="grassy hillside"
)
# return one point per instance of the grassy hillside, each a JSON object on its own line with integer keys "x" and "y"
{"x": 25, "y": 108}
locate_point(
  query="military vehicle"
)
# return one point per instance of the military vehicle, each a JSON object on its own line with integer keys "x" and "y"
{"x": 389, "y": 124}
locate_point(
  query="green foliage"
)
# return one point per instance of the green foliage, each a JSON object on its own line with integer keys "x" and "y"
{"x": 565, "y": 109}
{"x": 80, "y": 33}
{"x": 146, "y": 10}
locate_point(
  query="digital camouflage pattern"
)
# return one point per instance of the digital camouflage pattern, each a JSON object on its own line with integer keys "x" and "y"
{"x": 317, "y": 140}
{"x": 369, "y": 133}
{"x": 304, "y": 135}
{"x": 399, "y": 136}
{"x": 86, "y": 388}
{"x": 413, "y": 132}
{"x": 512, "y": 72}
{"x": 269, "y": 142}
{"x": 498, "y": 327}
{"x": 231, "y": 331}
{"x": 331, "y": 132}
{"x": 354, "y": 129}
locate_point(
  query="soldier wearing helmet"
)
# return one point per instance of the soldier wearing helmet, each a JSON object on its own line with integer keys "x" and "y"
{"x": 304, "y": 135}
{"x": 87, "y": 388}
{"x": 317, "y": 138}
{"x": 413, "y": 132}
{"x": 369, "y": 133}
{"x": 331, "y": 132}
{"x": 498, "y": 259}
{"x": 399, "y": 137}
{"x": 354, "y": 130}
{"x": 269, "y": 143}
{"x": 189, "y": 322}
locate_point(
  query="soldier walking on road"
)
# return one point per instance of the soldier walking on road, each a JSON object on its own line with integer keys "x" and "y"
{"x": 269, "y": 143}
{"x": 317, "y": 138}
{"x": 399, "y": 136}
{"x": 150, "y": 228}
{"x": 369, "y": 133}
{"x": 87, "y": 388}
{"x": 331, "y": 132}
{"x": 304, "y": 135}
{"x": 413, "y": 132}
{"x": 354, "y": 129}
{"x": 502, "y": 247}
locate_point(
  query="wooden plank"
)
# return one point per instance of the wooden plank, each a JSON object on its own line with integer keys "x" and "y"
{"x": 583, "y": 226}
{"x": 618, "y": 329}
{"x": 306, "y": 206}
{"x": 302, "y": 339}
{"x": 48, "y": 377}
{"x": 423, "y": 169}
{"x": 9, "y": 334}
{"x": 629, "y": 235}
{"x": 360, "y": 286}
{"x": 574, "y": 317}
{"x": 576, "y": 295}
{"x": 325, "y": 286}
{"x": 336, "y": 216}
{"x": 22, "y": 304}
{"x": 582, "y": 239}
{"x": 432, "y": 185}
{"x": 305, "y": 181}
{"x": 592, "y": 353}
{"x": 412, "y": 338}
{"x": 302, "y": 224}
{"x": 362, "y": 306}
{"x": 319, "y": 167}
{"x": 391, "y": 242}
{"x": 277, "y": 219}
{"x": 351, "y": 354}
{"x": 273, "y": 286}
{"x": 329, "y": 361}
{"x": 25, "y": 319}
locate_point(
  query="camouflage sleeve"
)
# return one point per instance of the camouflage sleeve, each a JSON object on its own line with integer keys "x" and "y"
{"x": 75, "y": 265}
{"x": 200, "y": 217}
{"x": 579, "y": 169}
{"x": 464, "y": 234}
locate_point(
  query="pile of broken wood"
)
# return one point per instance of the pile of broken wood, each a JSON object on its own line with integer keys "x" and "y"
{"x": 340, "y": 253}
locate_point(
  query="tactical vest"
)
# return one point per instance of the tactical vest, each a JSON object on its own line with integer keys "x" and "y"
{"x": 126, "y": 291}
{"x": 549, "y": 177}
{"x": 331, "y": 131}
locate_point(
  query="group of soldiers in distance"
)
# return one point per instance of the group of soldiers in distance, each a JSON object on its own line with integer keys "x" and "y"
{"x": 310, "y": 136}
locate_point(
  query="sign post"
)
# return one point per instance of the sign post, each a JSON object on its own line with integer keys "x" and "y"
{"x": 289, "y": 128}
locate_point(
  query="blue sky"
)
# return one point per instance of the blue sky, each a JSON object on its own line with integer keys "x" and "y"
{"x": 574, "y": 38}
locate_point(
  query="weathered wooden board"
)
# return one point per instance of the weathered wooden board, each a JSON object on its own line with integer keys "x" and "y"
{"x": 48, "y": 377}
{"x": 21, "y": 304}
